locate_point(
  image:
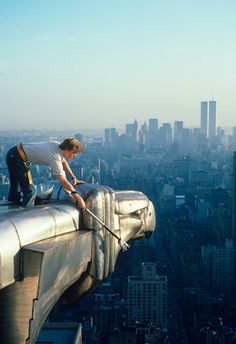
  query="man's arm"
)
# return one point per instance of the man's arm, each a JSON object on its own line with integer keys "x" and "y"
{"x": 69, "y": 172}
{"x": 67, "y": 185}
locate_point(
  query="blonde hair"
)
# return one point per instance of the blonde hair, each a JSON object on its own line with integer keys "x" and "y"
{"x": 72, "y": 143}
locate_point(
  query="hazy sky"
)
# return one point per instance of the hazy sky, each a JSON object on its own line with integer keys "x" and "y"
{"x": 103, "y": 63}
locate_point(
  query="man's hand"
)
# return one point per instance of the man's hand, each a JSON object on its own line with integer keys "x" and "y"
{"x": 71, "y": 189}
{"x": 79, "y": 200}
{"x": 77, "y": 182}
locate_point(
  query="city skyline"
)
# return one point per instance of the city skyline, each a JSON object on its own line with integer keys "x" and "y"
{"x": 189, "y": 261}
{"x": 96, "y": 65}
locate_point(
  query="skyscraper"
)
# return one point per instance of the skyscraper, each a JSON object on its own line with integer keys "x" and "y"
{"x": 212, "y": 119}
{"x": 131, "y": 130}
{"x": 153, "y": 132}
{"x": 110, "y": 137}
{"x": 234, "y": 200}
{"x": 143, "y": 136}
{"x": 218, "y": 262}
{"x": 204, "y": 108}
{"x": 147, "y": 297}
{"x": 165, "y": 134}
{"x": 178, "y": 131}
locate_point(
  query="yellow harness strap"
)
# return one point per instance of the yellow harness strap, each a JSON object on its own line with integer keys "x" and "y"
{"x": 23, "y": 156}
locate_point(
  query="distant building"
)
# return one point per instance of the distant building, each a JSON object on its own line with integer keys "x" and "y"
{"x": 218, "y": 262}
{"x": 153, "y": 132}
{"x": 200, "y": 178}
{"x": 215, "y": 332}
{"x": 165, "y": 134}
{"x": 167, "y": 199}
{"x": 143, "y": 136}
{"x": 234, "y": 199}
{"x": 141, "y": 251}
{"x": 80, "y": 137}
{"x": 131, "y": 164}
{"x": 186, "y": 142}
{"x": 109, "y": 309}
{"x": 212, "y": 119}
{"x": 178, "y": 131}
{"x": 204, "y": 110}
{"x": 110, "y": 137}
{"x": 4, "y": 187}
{"x": 147, "y": 297}
{"x": 138, "y": 333}
{"x": 185, "y": 166}
{"x": 232, "y": 139}
{"x": 60, "y": 332}
{"x": 131, "y": 130}
{"x": 203, "y": 207}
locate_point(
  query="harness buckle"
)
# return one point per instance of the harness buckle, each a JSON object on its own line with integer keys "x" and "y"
{"x": 27, "y": 163}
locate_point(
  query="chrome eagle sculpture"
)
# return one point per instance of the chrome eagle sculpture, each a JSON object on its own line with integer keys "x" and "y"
{"x": 54, "y": 250}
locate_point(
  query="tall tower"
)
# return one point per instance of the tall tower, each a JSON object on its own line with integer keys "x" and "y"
{"x": 212, "y": 119}
{"x": 234, "y": 200}
{"x": 131, "y": 130}
{"x": 153, "y": 132}
{"x": 178, "y": 131}
{"x": 165, "y": 134}
{"x": 204, "y": 108}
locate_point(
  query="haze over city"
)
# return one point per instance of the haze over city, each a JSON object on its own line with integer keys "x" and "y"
{"x": 147, "y": 90}
{"x": 89, "y": 65}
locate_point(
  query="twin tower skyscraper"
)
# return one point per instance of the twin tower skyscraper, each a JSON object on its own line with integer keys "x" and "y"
{"x": 208, "y": 123}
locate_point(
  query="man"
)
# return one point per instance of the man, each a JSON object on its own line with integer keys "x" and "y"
{"x": 51, "y": 153}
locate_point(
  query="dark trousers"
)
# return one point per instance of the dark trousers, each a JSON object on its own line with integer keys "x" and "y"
{"x": 18, "y": 178}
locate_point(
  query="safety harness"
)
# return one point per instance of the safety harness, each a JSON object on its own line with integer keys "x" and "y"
{"x": 26, "y": 161}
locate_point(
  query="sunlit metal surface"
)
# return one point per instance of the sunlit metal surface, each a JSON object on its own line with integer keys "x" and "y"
{"x": 53, "y": 250}
{"x": 20, "y": 227}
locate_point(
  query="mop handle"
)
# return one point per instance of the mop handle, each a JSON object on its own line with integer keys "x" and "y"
{"x": 102, "y": 223}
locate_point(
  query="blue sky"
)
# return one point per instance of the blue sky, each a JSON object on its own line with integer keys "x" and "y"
{"x": 102, "y": 63}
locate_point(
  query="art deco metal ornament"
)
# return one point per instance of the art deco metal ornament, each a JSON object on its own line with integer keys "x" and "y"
{"x": 55, "y": 250}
